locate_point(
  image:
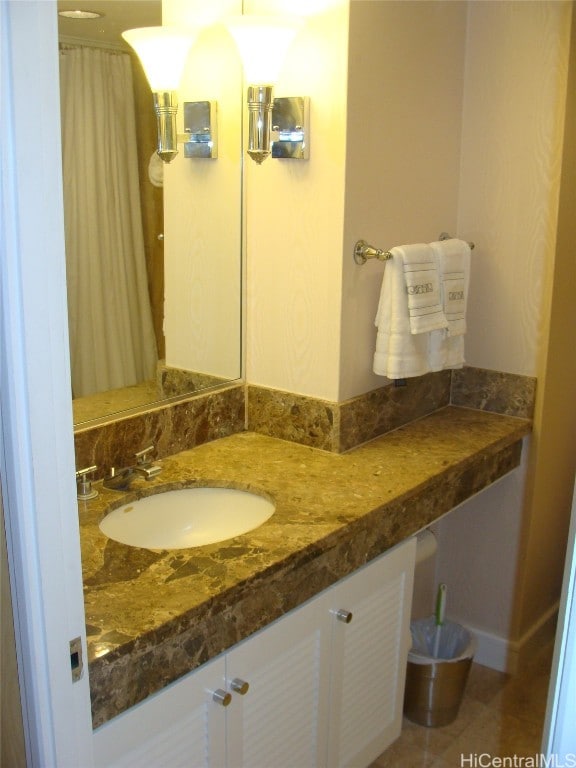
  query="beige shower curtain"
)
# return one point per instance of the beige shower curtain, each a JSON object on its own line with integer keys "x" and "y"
{"x": 112, "y": 341}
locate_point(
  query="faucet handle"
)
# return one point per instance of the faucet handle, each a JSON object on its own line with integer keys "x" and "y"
{"x": 84, "y": 490}
{"x": 144, "y": 457}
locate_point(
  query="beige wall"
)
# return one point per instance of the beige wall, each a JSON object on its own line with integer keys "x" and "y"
{"x": 502, "y": 553}
{"x": 405, "y": 90}
{"x": 203, "y": 203}
{"x": 373, "y": 163}
{"x": 511, "y": 143}
{"x": 455, "y": 121}
{"x": 552, "y": 469}
{"x": 294, "y": 213}
{"x": 439, "y": 115}
{"x": 462, "y": 137}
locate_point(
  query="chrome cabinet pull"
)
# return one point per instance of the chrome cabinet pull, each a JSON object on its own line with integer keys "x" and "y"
{"x": 221, "y": 697}
{"x": 344, "y": 615}
{"x": 239, "y": 686}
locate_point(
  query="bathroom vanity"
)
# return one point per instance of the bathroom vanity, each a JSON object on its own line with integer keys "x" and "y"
{"x": 170, "y": 631}
{"x": 321, "y": 686}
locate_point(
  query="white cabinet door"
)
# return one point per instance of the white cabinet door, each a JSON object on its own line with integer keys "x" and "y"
{"x": 369, "y": 657}
{"x": 179, "y": 726}
{"x": 281, "y": 721}
{"x": 307, "y": 691}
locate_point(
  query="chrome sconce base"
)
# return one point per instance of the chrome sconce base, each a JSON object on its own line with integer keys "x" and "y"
{"x": 166, "y": 108}
{"x": 200, "y": 129}
{"x": 277, "y": 127}
{"x": 291, "y": 128}
{"x": 200, "y": 137}
{"x": 259, "y": 100}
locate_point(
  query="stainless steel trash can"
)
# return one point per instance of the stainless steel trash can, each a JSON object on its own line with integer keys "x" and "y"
{"x": 435, "y": 686}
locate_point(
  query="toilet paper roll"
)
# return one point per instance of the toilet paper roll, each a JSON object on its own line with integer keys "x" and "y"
{"x": 426, "y": 545}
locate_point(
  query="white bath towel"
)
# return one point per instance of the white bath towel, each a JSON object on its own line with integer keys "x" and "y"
{"x": 399, "y": 353}
{"x": 447, "y": 347}
{"x": 423, "y": 290}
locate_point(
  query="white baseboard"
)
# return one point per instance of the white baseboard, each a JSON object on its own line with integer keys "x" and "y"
{"x": 492, "y": 651}
{"x": 507, "y": 655}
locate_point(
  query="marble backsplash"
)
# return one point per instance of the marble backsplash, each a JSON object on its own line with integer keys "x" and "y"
{"x": 506, "y": 393}
{"x": 341, "y": 426}
{"x": 170, "y": 428}
{"x": 171, "y": 382}
{"x": 330, "y": 426}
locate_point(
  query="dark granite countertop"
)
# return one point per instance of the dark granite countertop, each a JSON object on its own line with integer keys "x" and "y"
{"x": 153, "y": 615}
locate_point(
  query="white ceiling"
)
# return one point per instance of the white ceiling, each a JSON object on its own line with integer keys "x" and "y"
{"x": 118, "y": 15}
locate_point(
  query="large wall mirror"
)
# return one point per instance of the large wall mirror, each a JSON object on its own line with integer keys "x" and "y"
{"x": 153, "y": 251}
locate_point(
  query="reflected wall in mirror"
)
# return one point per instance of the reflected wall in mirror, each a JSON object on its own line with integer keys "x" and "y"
{"x": 153, "y": 252}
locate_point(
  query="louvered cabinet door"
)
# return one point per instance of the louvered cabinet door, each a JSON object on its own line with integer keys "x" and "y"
{"x": 370, "y": 613}
{"x": 182, "y": 726}
{"x": 281, "y": 719}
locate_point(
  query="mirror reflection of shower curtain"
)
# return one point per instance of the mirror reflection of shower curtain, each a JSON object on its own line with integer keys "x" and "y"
{"x": 112, "y": 341}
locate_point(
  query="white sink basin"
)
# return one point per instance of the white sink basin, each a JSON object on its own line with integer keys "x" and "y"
{"x": 188, "y": 517}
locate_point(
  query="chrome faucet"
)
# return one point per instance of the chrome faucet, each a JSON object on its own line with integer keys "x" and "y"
{"x": 144, "y": 465}
{"x": 120, "y": 479}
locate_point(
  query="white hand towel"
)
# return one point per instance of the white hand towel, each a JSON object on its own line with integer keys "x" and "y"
{"x": 422, "y": 288}
{"x": 454, "y": 265}
{"x": 445, "y": 351}
{"x": 447, "y": 347}
{"x": 399, "y": 353}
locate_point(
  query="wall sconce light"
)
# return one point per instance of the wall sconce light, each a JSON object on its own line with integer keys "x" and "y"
{"x": 262, "y": 42}
{"x": 163, "y": 52}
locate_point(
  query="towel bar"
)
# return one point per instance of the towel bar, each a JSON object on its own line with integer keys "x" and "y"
{"x": 363, "y": 251}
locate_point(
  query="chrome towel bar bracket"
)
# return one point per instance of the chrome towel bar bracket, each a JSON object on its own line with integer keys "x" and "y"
{"x": 363, "y": 251}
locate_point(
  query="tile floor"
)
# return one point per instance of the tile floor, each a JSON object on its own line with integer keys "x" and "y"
{"x": 500, "y": 715}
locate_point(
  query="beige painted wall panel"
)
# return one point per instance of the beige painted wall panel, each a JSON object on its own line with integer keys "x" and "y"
{"x": 511, "y": 152}
{"x": 479, "y": 555}
{"x": 513, "y": 107}
{"x": 295, "y": 212}
{"x": 406, "y": 65}
{"x": 202, "y": 204}
{"x": 554, "y": 462}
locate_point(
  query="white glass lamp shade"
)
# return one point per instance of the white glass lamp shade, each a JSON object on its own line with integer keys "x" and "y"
{"x": 163, "y": 52}
{"x": 263, "y": 42}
